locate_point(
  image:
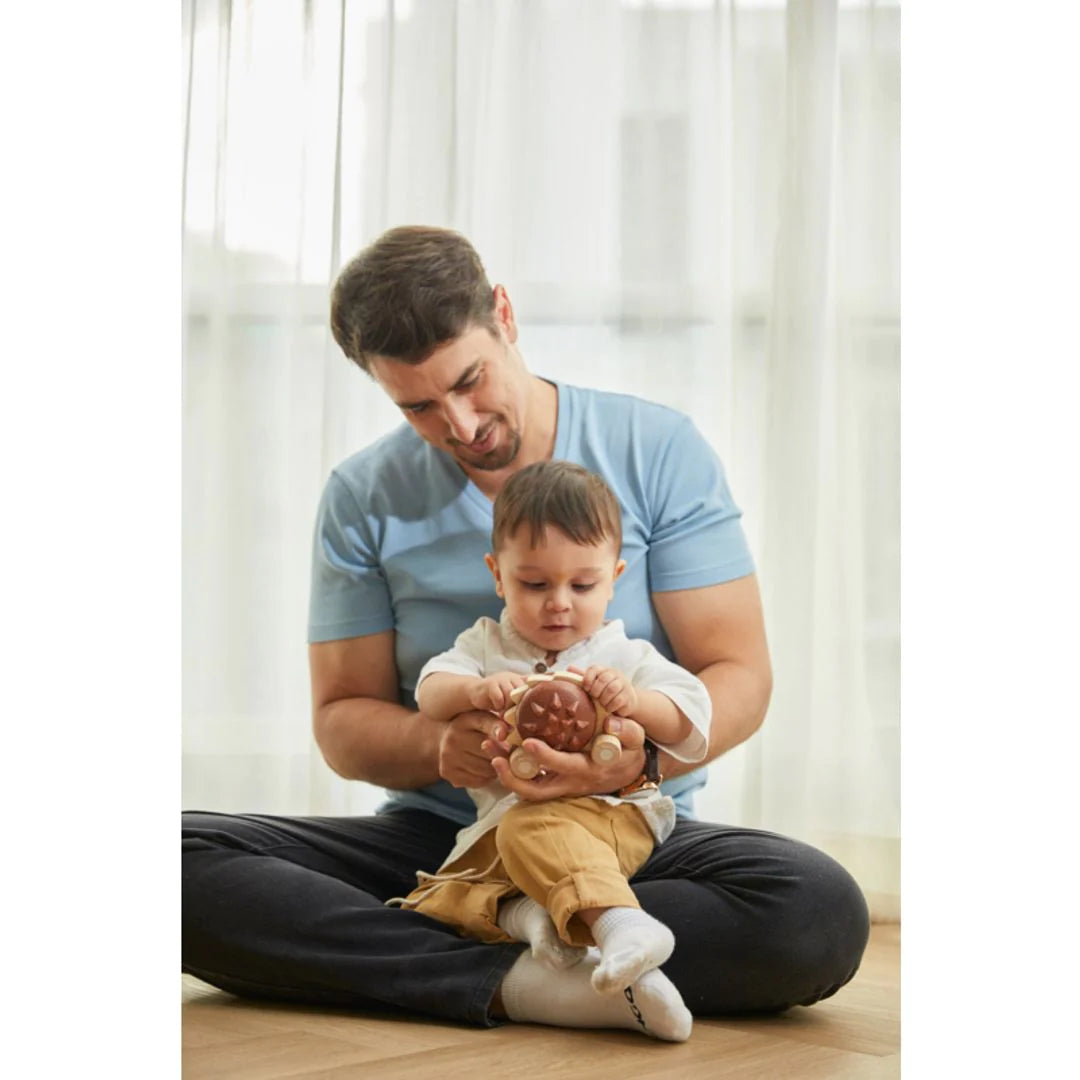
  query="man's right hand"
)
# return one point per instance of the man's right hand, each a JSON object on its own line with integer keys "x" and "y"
{"x": 462, "y": 762}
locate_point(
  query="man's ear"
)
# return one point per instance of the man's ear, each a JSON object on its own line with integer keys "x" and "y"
{"x": 493, "y": 566}
{"x": 504, "y": 314}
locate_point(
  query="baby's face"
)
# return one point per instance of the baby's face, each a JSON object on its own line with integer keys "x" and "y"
{"x": 556, "y": 592}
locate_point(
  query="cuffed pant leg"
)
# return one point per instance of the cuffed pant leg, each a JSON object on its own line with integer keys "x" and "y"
{"x": 571, "y": 855}
{"x": 761, "y": 922}
{"x": 292, "y": 909}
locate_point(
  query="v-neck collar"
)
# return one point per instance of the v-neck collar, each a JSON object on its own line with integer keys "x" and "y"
{"x": 563, "y": 422}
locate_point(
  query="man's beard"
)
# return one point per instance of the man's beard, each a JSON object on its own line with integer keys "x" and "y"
{"x": 495, "y": 459}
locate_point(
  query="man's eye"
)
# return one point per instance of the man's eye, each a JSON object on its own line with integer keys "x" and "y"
{"x": 416, "y": 410}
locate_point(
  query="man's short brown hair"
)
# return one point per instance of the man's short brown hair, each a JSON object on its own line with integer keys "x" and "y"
{"x": 558, "y": 493}
{"x": 412, "y": 290}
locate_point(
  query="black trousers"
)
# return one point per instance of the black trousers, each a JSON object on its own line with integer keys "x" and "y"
{"x": 291, "y": 909}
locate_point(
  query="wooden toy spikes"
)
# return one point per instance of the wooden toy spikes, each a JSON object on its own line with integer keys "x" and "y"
{"x": 555, "y": 708}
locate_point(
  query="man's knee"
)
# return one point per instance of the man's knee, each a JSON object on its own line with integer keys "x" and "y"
{"x": 829, "y": 903}
{"x": 800, "y": 919}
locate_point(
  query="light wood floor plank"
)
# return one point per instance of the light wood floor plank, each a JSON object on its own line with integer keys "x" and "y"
{"x": 288, "y": 1053}
{"x": 854, "y": 1035}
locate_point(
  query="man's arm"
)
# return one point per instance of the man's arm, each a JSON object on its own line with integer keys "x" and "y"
{"x": 718, "y": 634}
{"x": 365, "y": 734}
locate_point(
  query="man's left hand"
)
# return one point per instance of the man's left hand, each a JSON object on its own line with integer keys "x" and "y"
{"x": 573, "y": 774}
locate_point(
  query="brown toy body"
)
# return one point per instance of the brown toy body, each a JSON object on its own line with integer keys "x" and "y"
{"x": 556, "y": 709}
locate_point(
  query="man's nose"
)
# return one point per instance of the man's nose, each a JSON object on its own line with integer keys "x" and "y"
{"x": 461, "y": 420}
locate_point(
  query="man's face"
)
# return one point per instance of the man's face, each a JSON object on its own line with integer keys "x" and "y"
{"x": 558, "y": 590}
{"x": 468, "y": 398}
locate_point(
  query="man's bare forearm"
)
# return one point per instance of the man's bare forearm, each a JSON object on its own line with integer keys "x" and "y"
{"x": 740, "y": 697}
{"x": 378, "y": 741}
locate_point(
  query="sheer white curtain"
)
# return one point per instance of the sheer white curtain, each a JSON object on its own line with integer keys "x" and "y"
{"x": 695, "y": 202}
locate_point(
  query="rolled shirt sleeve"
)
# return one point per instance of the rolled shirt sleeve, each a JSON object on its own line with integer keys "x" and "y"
{"x": 696, "y": 537}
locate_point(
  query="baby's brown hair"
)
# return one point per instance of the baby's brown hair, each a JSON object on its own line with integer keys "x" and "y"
{"x": 558, "y": 493}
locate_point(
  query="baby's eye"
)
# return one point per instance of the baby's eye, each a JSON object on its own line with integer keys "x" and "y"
{"x": 585, "y": 586}
{"x": 534, "y": 584}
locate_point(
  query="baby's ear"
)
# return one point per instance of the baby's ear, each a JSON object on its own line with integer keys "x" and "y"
{"x": 493, "y": 566}
{"x": 620, "y": 566}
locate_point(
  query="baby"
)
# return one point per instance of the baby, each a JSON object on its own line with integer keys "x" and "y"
{"x": 555, "y": 873}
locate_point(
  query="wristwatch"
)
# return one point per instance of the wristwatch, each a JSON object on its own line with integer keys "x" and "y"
{"x": 650, "y": 777}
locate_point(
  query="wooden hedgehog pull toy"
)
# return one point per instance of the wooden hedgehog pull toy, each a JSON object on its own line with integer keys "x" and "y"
{"x": 555, "y": 708}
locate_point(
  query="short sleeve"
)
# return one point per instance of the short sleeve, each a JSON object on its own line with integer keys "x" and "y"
{"x": 466, "y": 657}
{"x": 349, "y": 594}
{"x": 653, "y": 671}
{"x": 696, "y": 535}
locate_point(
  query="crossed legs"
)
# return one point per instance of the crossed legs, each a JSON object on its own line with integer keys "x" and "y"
{"x": 293, "y": 909}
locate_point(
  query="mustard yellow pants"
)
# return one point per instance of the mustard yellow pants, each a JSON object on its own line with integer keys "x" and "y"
{"x": 567, "y": 854}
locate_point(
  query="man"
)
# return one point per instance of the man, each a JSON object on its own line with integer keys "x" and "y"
{"x": 294, "y": 908}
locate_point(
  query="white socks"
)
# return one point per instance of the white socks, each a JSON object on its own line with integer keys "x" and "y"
{"x": 631, "y": 943}
{"x": 565, "y": 986}
{"x": 559, "y": 984}
{"x": 525, "y": 920}
{"x": 533, "y": 993}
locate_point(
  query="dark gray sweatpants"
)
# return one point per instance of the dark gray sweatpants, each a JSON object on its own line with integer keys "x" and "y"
{"x": 291, "y": 909}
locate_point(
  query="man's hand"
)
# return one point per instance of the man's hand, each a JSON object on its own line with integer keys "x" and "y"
{"x": 611, "y": 688}
{"x": 573, "y": 774}
{"x": 493, "y": 692}
{"x": 463, "y": 761}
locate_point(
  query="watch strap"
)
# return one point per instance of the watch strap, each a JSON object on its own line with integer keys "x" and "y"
{"x": 650, "y": 777}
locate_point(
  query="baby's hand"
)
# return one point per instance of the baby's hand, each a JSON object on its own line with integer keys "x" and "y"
{"x": 493, "y": 692}
{"x": 611, "y": 688}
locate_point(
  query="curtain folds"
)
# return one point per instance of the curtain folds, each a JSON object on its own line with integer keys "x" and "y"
{"x": 695, "y": 202}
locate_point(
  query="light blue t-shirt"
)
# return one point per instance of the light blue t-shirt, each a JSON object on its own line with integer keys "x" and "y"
{"x": 401, "y": 535}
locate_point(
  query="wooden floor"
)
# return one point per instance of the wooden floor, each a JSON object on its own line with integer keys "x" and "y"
{"x": 854, "y": 1034}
